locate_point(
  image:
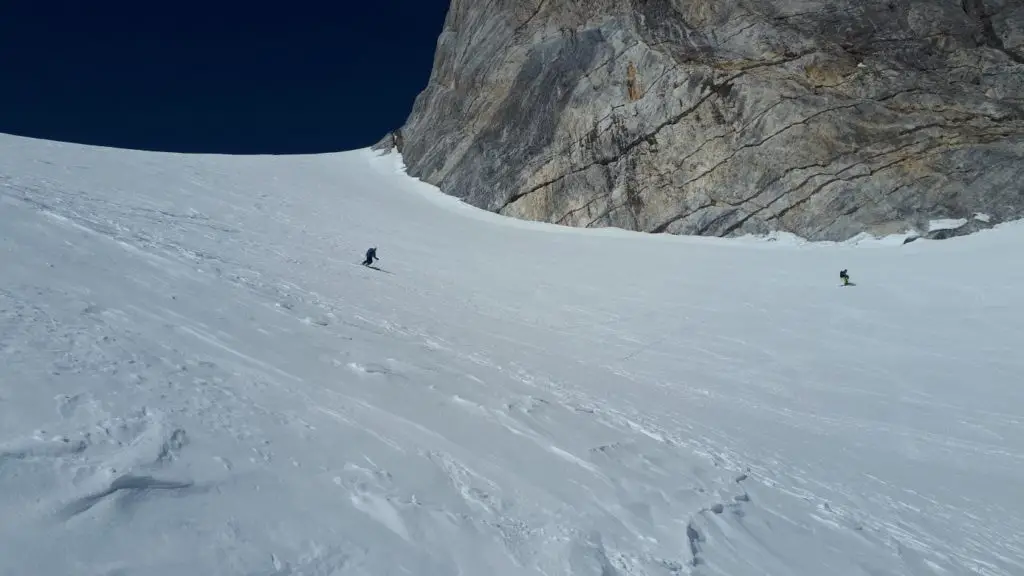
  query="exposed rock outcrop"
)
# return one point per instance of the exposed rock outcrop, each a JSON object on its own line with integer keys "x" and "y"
{"x": 825, "y": 118}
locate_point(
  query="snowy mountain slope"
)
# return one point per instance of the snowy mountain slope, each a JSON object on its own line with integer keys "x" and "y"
{"x": 198, "y": 378}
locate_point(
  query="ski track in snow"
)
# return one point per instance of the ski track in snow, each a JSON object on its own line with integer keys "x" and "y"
{"x": 198, "y": 377}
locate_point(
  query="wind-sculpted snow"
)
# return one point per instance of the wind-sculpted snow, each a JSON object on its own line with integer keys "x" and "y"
{"x": 198, "y": 378}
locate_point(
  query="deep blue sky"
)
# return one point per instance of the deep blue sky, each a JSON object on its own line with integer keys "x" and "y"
{"x": 229, "y": 77}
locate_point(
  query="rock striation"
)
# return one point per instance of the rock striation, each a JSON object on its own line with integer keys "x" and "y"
{"x": 824, "y": 118}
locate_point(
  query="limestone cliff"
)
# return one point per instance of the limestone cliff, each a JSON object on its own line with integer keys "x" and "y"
{"x": 824, "y": 118}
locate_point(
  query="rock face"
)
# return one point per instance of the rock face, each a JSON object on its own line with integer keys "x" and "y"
{"x": 825, "y": 118}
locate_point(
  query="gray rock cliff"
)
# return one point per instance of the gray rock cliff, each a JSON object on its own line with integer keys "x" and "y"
{"x": 825, "y": 118}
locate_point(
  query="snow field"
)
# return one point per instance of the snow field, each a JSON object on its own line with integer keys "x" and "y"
{"x": 198, "y": 377}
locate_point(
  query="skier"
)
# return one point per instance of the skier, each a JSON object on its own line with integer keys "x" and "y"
{"x": 845, "y": 277}
{"x": 371, "y": 255}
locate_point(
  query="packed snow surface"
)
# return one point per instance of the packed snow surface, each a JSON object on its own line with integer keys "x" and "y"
{"x": 198, "y": 377}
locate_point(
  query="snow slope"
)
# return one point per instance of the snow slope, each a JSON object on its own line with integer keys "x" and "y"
{"x": 198, "y": 378}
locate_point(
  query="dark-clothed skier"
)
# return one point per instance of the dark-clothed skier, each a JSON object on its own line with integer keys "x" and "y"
{"x": 371, "y": 255}
{"x": 845, "y": 277}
